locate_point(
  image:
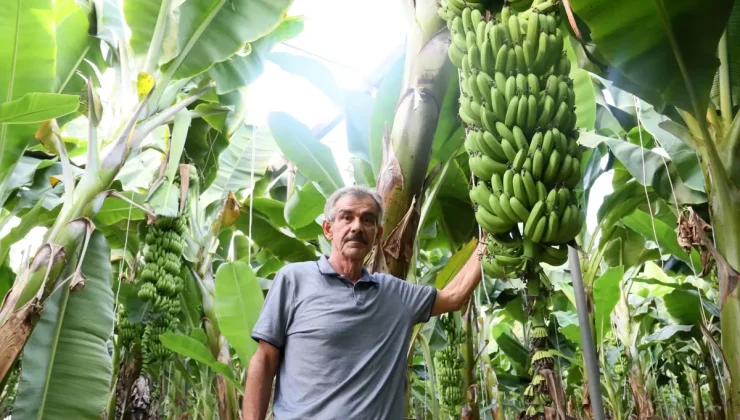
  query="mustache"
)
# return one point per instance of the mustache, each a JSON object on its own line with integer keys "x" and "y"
{"x": 356, "y": 237}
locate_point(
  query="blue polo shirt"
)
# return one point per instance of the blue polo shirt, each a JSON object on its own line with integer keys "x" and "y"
{"x": 343, "y": 346}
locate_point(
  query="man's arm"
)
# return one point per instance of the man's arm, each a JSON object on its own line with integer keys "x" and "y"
{"x": 457, "y": 291}
{"x": 262, "y": 369}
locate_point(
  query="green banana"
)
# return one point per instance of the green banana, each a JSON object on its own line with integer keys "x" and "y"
{"x": 500, "y": 79}
{"x": 478, "y": 169}
{"x": 518, "y": 163}
{"x": 474, "y": 53}
{"x": 497, "y": 184}
{"x": 506, "y": 206}
{"x": 519, "y": 208}
{"x": 509, "y": 182}
{"x": 494, "y": 146}
{"x": 501, "y": 56}
{"x": 487, "y": 118}
{"x": 498, "y": 103}
{"x": 514, "y": 29}
{"x": 455, "y": 55}
{"x": 519, "y": 138}
{"x": 539, "y": 229}
{"x": 538, "y": 209}
{"x": 487, "y": 59}
{"x": 521, "y": 112}
{"x": 531, "y": 121}
{"x": 529, "y": 187}
{"x": 552, "y": 200}
{"x": 510, "y": 90}
{"x": 541, "y": 191}
{"x": 481, "y": 195}
{"x": 511, "y": 112}
{"x": 505, "y": 132}
{"x": 540, "y": 59}
{"x": 563, "y": 198}
{"x": 552, "y": 167}
{"x": 529, "y": 54}
{"x": 470, "y": 143}
{"x": 480, "y": 34}
{"x": 508, "y": 149}
{"x": 565, "y": 167}
{"x": 538, "y": 164}
{"x": 536, "y": 142}
{"x": 490, "y": 165}
{"x": 547, "y": 144}
{"x": 497, "y": 210}
{"x": 532, "y": 26}
{"x": 519, "y": 192}
{"x": 490, "y": 222}
{"x": 553, "y": 225}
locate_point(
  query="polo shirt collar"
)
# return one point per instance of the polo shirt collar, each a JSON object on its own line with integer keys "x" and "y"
{"x": 326, "y": 269}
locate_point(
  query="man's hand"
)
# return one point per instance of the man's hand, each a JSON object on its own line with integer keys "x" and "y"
{"x": 262, "y": 369}
{"x": 457, "y": 291}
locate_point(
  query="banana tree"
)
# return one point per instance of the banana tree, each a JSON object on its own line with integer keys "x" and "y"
{"x": 683, "y": 70}
{"x": 156, "y": 84}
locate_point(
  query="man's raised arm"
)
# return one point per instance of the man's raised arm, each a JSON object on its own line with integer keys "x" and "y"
{"x": 459, "y": 289}
{"x": 262, "y": 369}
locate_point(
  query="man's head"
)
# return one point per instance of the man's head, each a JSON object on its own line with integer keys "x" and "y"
{"x": 352, "y": 221}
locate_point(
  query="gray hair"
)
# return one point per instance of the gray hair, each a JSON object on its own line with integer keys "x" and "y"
{"x": 354, "y": 191}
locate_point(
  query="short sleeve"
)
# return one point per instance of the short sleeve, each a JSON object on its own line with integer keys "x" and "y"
{"x": 275, "y": 316}
{"x": 418, "y": 298}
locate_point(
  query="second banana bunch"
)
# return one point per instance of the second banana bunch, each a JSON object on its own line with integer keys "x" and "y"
{"x": 518, "y": 103}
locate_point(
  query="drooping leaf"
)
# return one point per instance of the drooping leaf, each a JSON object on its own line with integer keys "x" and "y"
{"x": 684, "y": 306}
{"x": 312, "y": 70}
{"x": 304, "y": 205}
{"x": 312, "y": 158}
{"x": 203, "y": 147}
{"x": 115, "y": 209}
{"x": 649, "y": 168}
{"x": 110, "y": 23}
{"x": 243, "y": 69}
{"x": 510, "y": 345}
{"x": 27, "y": 64}
{"x": 194, "y": 349}
{"x": 666, "y": 333}
{"x": 239, "y": 300}
{"x": 627, "y": 247}
{"x": 606, "y": 295}
{"x": 72, "y": 39}
{"x": 650, "y": 227}
{"x": 37, "y": 107}
{"x": 211, "y": 31}
{"x": 358, "y": 107}
{"x": 236, "y": 162}
{"x": 271, "y": 208}
{"x": 583, "y": 87}
{"x": 384, "y": 111}
{"x": 568, "y": 325}
{"x": 456, "y": 262}
{"x": 638, "y": 38}
{"x": 268, "y": 236}
{"x": 27, "y": 222}
{"x": 66, "y": 355}
{"x": 676, "y": 140}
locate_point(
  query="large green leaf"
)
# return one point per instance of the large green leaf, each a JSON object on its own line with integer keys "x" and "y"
{"x": 268, "y": 236}
{"x": 649, "y": 168}
{"x": 194, "y": 349}
{"x": 27, "y": 64}
{"x": 456, "y": 262}
{"x": 115, "y": 209}
{"x": 733, "y": 53}
{"x": 666, "y": 333}
{"x": 304, "y": 205}
{"x": 312, "y": 158}
{"x": 271, "y": 208}
{"x": 237, "y": 163}
{"x": 650, "y": 227}
{"x": 583, "y": 87}
{"x": 141, "y": 17}
{"x": 637, "y": 37}
{"x": 72, "y": 39}
{"x": 568, "y": 325}
{"x": 211, "y": 31}
{"x": 28, "y": 222}
{"x": 384, "y": 111}
{"x": 67, "y": 356}
{"x": 684, "y": 306}
{"x": 37, "y": 107}
{"x": 203, "y": 147}
{"x": 606, "y": 296}
{"x": 358, "y": 106}
{"x": 110, "y": 23}
{"x": 449, "y": 135}
{"x": 239, "y": 300}
{"x": 627, "y": 247}
{"x": 242, "y": 69}
{"x": 675, "y": 140}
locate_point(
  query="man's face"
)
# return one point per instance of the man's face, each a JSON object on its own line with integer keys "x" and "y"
{"x": 354, "y": 229}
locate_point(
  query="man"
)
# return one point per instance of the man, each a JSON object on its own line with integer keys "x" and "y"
{"x": 336, "y": 335}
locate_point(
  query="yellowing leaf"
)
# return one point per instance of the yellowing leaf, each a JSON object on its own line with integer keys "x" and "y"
{"x": 144, "y": 83}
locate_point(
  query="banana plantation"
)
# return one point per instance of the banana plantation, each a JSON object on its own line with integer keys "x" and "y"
{"x": 591, "y": 146}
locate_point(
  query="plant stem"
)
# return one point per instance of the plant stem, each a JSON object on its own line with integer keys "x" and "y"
{"x": 469, "y": 356}
{"x": 725, "y": 94}
{"x": 717, "y": 405}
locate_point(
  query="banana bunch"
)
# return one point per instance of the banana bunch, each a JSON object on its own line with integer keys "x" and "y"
{"x": 128, "y": 333}
{"x": 518, "y": 104}
{"x": 160, "y": 283}
{"x": 448, "y": 365}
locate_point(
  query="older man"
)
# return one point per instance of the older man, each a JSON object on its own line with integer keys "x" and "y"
{"x": 337, "y": 335}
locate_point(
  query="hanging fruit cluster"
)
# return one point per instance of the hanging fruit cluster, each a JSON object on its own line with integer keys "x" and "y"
{"x": 128, "y": 333}
{"x": 161, "y": 283}
{"x": 448, "y": 365}
{"x": 518, "y": 105}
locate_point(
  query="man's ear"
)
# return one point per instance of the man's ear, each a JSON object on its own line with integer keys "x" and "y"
{"x": 326, "y": 226}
